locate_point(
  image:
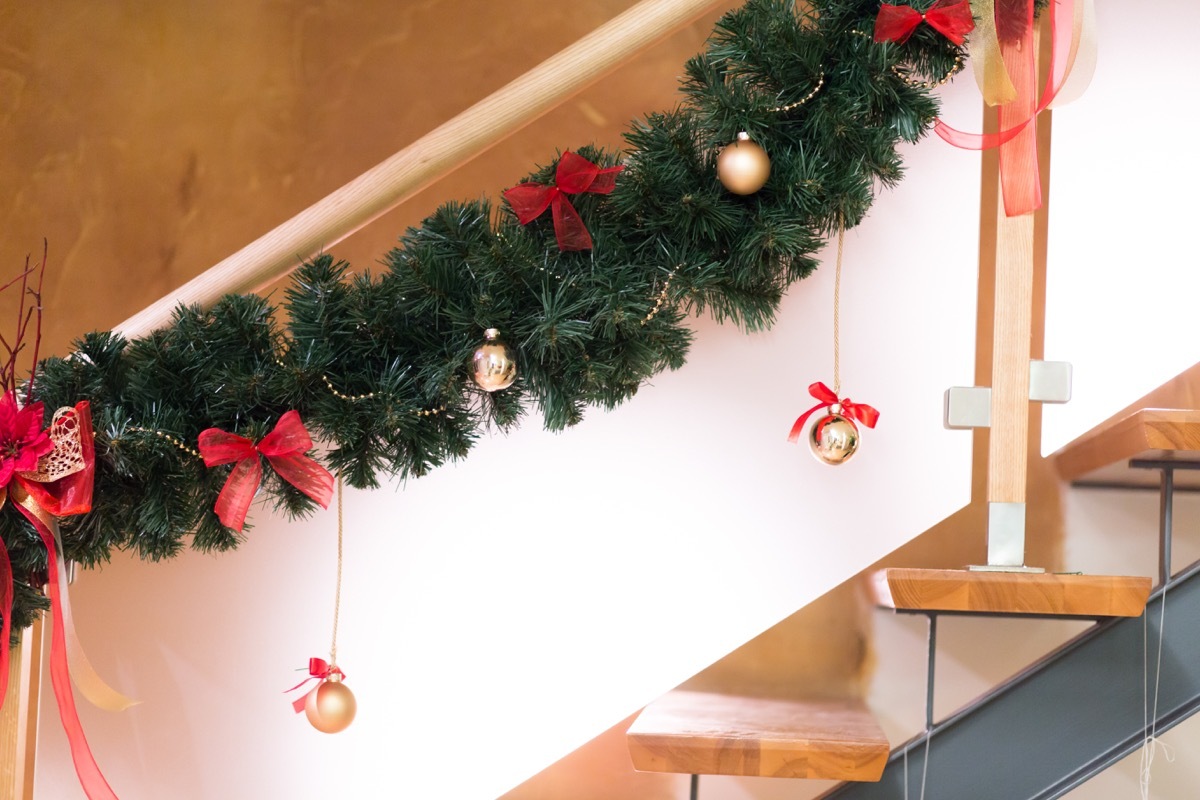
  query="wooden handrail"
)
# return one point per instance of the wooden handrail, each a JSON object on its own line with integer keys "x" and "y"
{"x": 394, "y": 180}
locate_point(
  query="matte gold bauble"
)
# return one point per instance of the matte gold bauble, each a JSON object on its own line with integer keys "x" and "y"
{"x": 833, "y": 439}
{"x": 330, "y": 707}
{"x": 743, "y": 166}
{"x": 494, "y": 363}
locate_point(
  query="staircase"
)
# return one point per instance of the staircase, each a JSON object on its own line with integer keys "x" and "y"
{"x": 1040, "y": 734}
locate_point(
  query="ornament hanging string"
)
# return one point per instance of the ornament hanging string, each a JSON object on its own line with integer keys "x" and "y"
{"x": 837, "y": 301}
{"x": 826, "y": 397}
{"x": 318, "y": 669}
{"x": 337, "y": 595}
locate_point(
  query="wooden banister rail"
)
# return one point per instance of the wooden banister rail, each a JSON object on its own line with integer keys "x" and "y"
{"x": 399, "y": 177}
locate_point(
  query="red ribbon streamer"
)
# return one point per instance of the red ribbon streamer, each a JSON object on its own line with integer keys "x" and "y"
{"x": 318, "y": 670}
{"x": 574, "y": 174}
{"x": 6, "y": 601}
{"x": 90, "y": 778}
{"x": 951, "y": 18}
{"x": 284, "y": 447}
{"x": 68, "y": 495}
{"x": 860, "y": 411}
{"x": 1019, "y": 176}
{"x": 40, "y": 502}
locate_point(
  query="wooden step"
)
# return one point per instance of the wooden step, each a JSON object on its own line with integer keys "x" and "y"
{"x": 1101, "y": 456}
{"x": 705, "y": 733}
{"x": 1011, "y": 592}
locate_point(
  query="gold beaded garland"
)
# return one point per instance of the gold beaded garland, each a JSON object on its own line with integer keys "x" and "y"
{"x": 169, "y": 438}
{"x": 743, "y": 166}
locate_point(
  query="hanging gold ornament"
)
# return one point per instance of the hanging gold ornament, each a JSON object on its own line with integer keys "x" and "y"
{"x": 743, "y": 166}
{"x": 494, "y": 364}
{"x": 833, "y": 438}
{"x": 330, "y": 707}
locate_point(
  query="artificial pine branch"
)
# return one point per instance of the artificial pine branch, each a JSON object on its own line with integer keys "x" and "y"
{"x": 378, "y": 366}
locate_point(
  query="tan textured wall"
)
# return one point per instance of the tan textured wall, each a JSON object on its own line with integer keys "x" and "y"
{"x": 148, "y": 140}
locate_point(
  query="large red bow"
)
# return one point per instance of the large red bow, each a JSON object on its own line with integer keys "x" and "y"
{"x": 284, "y": 447}
{"x": 573, "y": 175}
{"x": 318, "y": 670}
{"x": 860, "y": 411}
{"x": 951, "y": 18}
{"x": 59, "y": 485}
{"x": 1017, "y": 134}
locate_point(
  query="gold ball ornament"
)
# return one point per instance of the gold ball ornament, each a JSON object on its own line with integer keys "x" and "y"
{"x": 330, "y": 707}
{"x": 833, "y": 439}
{"x": 494, "y": 364}
{"x": 743, "y": 166}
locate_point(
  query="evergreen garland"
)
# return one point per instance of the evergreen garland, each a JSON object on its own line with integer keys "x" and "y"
{"x": 379, "y": 365}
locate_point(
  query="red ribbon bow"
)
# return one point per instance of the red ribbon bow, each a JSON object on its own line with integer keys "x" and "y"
{"x": 860, "y": 411}
{"x": 41, "y": 501}
{"x": 574, "y": 174}
{"x": 284, "y": 447}
{"x": 318, "y": 670}
{"x": 1017, "y": 134}
{"x": 951, "y": 18}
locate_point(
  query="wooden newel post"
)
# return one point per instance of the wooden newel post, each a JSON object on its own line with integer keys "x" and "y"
{"x": 1008, "y": 444}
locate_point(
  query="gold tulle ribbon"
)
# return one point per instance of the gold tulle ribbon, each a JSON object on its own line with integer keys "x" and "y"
{"x": 988, "y": 67}
{"x": 66, "y": 459}
{"x": 1081, "y": 65}
{"x": 83, "y": 674}
{"x": 984, "y": 48}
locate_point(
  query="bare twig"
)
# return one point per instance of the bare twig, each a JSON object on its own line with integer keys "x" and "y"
{"x": 37, "y": 338}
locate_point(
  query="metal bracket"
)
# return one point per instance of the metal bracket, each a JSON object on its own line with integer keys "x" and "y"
{"x": 1006, "y": 539}
{"x": 971, "y": 406}
{"x": 967, "y": 407}
{"x": 1049, "y": 381}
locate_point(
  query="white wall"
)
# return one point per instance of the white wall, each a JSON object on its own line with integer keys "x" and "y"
{"x": 502, "y": 611}
{"x": 1122, "y": 275}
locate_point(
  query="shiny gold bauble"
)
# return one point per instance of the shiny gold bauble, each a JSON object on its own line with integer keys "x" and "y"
{"x": 743, "y": 166}
{"x": 330, "y": 707}
{"x": 833, "y": 439}
{"x": 494, "y": 363}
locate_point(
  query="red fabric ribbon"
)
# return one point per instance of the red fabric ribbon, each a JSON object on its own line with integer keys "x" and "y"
{"x": 6, "y": 601}
{"x": 40, "y": 503}
{"x": 318, "y": 670}
{"x": 90, "y": 778}
{"x": 69, "y": 495}
{"x": 284, "y": 447}
{"x": 860, "y": 411}
{"x": 951, "y": 18}
{"x": 1016, "y": 138}
{"x": 574, "y": 174}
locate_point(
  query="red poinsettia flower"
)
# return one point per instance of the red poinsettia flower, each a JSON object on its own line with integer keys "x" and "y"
{"x": 22, "y": 440}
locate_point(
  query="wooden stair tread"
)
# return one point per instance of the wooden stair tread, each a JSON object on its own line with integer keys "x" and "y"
{"x": 705, "y": 733}
{"x": 1011, "y": 592}
{"x": 1101, "y": 456}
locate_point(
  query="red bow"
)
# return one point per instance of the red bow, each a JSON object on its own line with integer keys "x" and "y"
{"x": 59, "y": 486}
{"x": 284, "y": 447}
{"x": 859, "y": 411}
{"x": 318, "y": 670}
{"x": 951, "y": 18}
{"x": 574, "y": 174}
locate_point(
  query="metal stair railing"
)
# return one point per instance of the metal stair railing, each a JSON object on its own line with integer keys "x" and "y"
{"x": 1072, "y": 714}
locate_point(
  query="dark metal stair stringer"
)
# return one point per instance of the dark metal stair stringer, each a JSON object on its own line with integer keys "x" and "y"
{"x": 1065, "y": 718}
